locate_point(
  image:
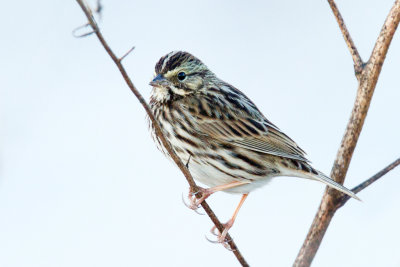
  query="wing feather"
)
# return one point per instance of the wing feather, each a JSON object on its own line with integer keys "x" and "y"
{"x": 245, "y": 127}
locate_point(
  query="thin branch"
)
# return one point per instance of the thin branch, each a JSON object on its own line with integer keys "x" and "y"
{"x": 369, "y": 181}
{"x": 376, "y": 177}
{"x": 126, "y": 54}
{"x": 158, "y": 131}
{"x": 367, "y": 83}
{"x": 74, "y": 32}
{"x": 358, "y": 63}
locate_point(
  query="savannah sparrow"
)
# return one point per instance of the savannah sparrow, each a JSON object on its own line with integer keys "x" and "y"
{"x": 225, "y": 140}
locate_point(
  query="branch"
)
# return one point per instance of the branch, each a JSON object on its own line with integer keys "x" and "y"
{"x": 367, "y": 82}
{"x": 369, "y": 181}
{"x": 375, "y": 178}
{"x": 358, "y": 63}
{"x": 182, "y": 167}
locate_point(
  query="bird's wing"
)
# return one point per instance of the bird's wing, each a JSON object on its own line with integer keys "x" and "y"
{"x": 244, "y": 127}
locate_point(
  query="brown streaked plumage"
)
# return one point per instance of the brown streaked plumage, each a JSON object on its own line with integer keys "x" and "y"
{"x": 228, "y": 143}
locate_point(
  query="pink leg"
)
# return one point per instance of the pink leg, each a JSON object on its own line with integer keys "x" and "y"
{"x": 228, "y": 225}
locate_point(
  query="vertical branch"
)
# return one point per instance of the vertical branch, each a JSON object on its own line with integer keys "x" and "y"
{"x": 182, "y": 167}
{"x": 367, "y": 82}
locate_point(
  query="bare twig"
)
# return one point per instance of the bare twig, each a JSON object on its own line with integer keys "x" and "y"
{"x": 358, "y": 63}
{"x": 378, "y": 175}
{"x": 126, "y": 54}
{"x": 369, "y": 181}
{"x": 367, "y": 83}
{"x": 158, "y": 131}
{"x": 74, "y": 32}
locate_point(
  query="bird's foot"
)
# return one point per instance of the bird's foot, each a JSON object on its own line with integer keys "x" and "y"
{"x": 194, "y": 202}
{"x": 221, "y": 237}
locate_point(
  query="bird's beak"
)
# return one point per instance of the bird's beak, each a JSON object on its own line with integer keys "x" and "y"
{"x": 158, "y": 81}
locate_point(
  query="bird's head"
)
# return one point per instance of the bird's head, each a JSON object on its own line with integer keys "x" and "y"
{"x": 179, "y": 74}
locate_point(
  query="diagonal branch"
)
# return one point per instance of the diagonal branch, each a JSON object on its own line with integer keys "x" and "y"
{"x": 375, "y": 178}
{"x": 358, "y": 63}
{"x": 88, "y": 12}
{"x": 366, "y": 87}
{"x": 369, "y": 181}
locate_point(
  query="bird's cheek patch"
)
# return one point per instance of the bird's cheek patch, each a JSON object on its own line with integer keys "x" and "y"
{"x": 194, "y": 83}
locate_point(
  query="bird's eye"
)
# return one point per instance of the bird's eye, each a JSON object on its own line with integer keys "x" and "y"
{"x": 181, "y": 76}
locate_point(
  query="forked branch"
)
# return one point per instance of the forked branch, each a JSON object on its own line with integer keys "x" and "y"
{"x": 367, "y": 82}
{"x": 358, "y": 63}
{"x": 118, "y": 61}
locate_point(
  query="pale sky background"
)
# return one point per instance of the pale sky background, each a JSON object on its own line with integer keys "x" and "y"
{"x": 82, "y": 184}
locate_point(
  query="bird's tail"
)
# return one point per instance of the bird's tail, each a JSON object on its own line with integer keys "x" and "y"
{"x": 329, "y": 182}
{"x": 304, "y": 170}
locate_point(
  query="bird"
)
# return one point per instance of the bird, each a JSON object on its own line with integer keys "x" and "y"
{"x": 224, "y": 139}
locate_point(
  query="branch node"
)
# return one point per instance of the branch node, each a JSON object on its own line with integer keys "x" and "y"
{"x": 358, "y": 63}
{"x": 358, "y": 69}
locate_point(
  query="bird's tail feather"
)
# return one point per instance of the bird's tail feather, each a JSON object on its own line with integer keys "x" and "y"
{"x": 304, "y": 170}
{"x": 329, "y": 182}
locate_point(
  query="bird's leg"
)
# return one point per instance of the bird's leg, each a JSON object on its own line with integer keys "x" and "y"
{"x": 194, "y": 202}
{"x": 228, "y": 225}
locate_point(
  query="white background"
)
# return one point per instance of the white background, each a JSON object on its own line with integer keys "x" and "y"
{"x": 82, "y": 184}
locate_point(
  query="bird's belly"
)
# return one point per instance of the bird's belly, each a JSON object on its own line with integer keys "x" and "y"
{"x": 212, "y": 170}
{"x": 209, "y": 175}
{"x": 215, "y": 164}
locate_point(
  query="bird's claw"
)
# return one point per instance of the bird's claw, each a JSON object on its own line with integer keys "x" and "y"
{"x": 214, "y": 230}
{"x": 221, "y": 240}
{"x": 193, "y": 203}
{"x": 222, "y": 237}
{"x": 211, "y": 241}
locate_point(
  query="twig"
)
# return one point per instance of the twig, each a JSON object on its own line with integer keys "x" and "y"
{"x": 158, "y": 131}
{"x": 378, "y": 175}
{"x": 127, "y": 53}
{"x": 74, "y": 32}
{"x": 358, "y": 63}
{"x": 367, "y": 83}
{"x": 369, "y": 181}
